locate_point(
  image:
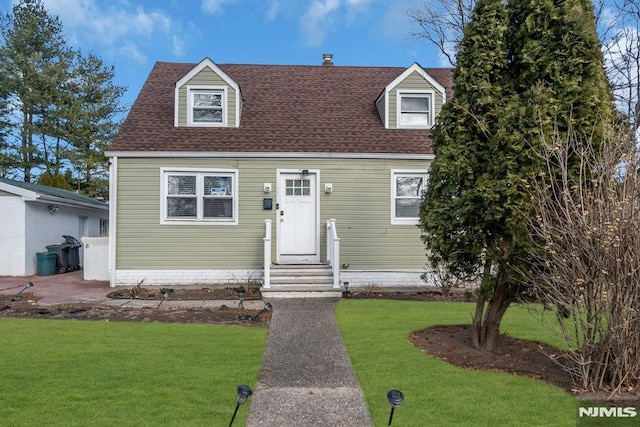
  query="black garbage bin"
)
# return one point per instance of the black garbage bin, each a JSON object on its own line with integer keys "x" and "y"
{"x": 62, "y": 257}
{"x": 73, "y": 252}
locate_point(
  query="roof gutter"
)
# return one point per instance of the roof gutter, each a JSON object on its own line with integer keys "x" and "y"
{"x": 66, "y": 202}
{"x": 270, "y": 155}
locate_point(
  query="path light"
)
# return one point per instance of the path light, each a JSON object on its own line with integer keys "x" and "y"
{"x": 240, "y": 292}
{"x": 27, "y": 286}
{"x": 347, "y": 292}
{"x": 395, "y": 398}
{"x": 165, "y": 294}
{"x": 267, "y": 307}
{"x": 243, "y": 393}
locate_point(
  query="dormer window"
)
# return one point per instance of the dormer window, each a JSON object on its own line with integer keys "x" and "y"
{"x": 415, "y": 109}
{"x": 207, "y": 106}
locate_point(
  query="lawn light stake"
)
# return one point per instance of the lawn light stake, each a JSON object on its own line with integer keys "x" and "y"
{"x": 240, "y": 292}
{"x": 267, "y": 307}
{"x": 243, "y": 393}
{"x": 395, "y": 398}
{"x": 27, "y": 286}
{"x": 165, "y": 294}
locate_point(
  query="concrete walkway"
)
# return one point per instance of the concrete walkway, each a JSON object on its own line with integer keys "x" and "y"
{"x": 306, "y": 378}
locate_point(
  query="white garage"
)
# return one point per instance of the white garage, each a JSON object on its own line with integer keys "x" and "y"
{"x": 33, "y": 216}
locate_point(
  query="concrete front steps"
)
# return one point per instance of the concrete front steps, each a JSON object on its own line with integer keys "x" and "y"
{"x": 301, "y": 281}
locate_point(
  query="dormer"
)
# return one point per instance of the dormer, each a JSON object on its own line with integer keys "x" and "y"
{"x": 207, "y": 97}
{"x": 412, "y": 100}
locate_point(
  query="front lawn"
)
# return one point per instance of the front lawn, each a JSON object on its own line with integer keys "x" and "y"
{"x": 81, "y": 373}
{"x": 436, "y": 393}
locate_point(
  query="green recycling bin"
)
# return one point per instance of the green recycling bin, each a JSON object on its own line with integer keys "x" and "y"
{"x": 46, "y": 263}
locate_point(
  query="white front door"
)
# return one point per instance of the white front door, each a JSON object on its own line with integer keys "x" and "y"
{"x": 297, "y": 218}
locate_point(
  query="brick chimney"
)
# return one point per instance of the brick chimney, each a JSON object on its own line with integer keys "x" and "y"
{"x": 327, "y": 59}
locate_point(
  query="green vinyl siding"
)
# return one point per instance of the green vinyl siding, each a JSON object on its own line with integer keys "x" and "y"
{"x": 414, "y": 81}
{"x": 360, "y": 203}
{"x": 206, "y": 77}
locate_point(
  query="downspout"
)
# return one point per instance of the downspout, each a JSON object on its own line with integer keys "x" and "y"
{"x": 113, "y": 207}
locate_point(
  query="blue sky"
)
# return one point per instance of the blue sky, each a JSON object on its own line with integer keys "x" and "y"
{"x": 134, "y": 34}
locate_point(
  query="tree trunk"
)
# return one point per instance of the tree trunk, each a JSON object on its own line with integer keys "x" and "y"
{"x": 486, "y": 322}
{"x": 476, "y": 327}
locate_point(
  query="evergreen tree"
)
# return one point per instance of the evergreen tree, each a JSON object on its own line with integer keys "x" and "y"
{"x": 465, "y": 213}
{"x": 522, "y": 72}
{"x": 35, "y": 63}
{"x": 62, "y": 105}
{"x": 92, "y": 122}
{"x": 557, "y": 68}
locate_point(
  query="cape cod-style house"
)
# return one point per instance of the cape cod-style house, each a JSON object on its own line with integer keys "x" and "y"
{"x": 301, "y": 177}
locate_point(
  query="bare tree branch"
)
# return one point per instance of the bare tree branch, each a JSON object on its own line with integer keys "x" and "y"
{"x": 442, "y": 23}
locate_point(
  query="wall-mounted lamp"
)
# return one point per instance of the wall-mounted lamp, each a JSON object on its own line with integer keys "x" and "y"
{"x": 52, "y": 209}
{"x": 328, "y": 188}
{"x": 305, "y": 172}
{"x": 267, "y": 187}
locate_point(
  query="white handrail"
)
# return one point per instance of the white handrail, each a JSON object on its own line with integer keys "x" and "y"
{"x": 333, "y": 251}
{"x": 267, "y": 254}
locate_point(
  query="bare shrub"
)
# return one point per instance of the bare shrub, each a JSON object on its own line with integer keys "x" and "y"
{"x": 370, "y": 288}
{"x": 587, "y": 234}
{"x": 442, "y": 277}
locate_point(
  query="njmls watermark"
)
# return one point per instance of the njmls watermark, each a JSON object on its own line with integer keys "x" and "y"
{"x": 603, "y": 412}
{"x": 609, "y": 413}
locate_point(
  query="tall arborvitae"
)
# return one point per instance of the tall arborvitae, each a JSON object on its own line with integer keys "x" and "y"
{"x": 557, "y": 69}
{"x": 469, "y": 205}
{"x": 523, "y": 72}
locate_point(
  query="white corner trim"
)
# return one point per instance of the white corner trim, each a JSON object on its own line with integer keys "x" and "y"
{"x": 113, "y": 210}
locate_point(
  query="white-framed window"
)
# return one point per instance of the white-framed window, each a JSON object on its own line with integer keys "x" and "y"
{"x": 415, "y": 109}
{"x": 199, "y": 196}
{"x": 407, "y": 189}
{"x": 207, "y": 106}
{"x": 104, "y": 227}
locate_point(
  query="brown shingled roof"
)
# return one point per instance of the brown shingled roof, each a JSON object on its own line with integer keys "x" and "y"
{"x": 288, "y": 109}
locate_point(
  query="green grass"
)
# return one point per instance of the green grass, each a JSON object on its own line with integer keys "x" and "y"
{"x": 81, "y": 373}
{"x": 436, "y": 393}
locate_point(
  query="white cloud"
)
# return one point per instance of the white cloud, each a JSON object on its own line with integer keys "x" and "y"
{"x": 178, "y": 45}
{"x": 130, "y": 50}
{"x": 272, "y": 12}
{"x": 317, "y": 20}
{"x": 116, "y": 25}
{"x": 215, "y": 6}
{"x": 324, "y": 16}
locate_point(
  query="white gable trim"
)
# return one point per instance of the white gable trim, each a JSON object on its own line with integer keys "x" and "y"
{"x": 206, "y": 63}
{"x": 27, "y": 195}
{"x": 414, "y": 68}
{"x": 33, "y": 196}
